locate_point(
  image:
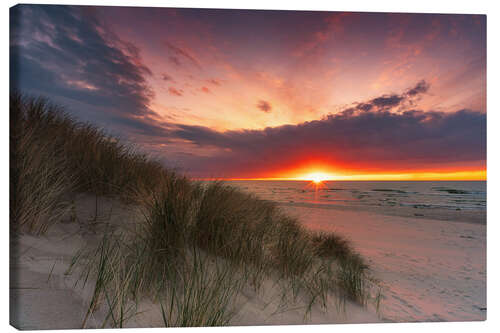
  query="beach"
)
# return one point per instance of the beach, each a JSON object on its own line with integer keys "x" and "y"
{"x": 430, "y": 270}
{"x": 425, "y": 240}
{"x": 209, "y": 168}
{"x": 46, "y": 294}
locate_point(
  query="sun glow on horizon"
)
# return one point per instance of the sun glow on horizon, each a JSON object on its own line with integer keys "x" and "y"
{"x": 318, "y": 177}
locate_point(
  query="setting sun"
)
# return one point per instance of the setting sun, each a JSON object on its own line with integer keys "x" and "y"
{"x": 318, "y": 177}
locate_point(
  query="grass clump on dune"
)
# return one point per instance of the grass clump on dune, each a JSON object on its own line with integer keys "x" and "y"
{"x": 351, "y": 273}
{"x": 98, "y": 163}
{"x": 39, "y": 178}
{"x": 195, "y": 246}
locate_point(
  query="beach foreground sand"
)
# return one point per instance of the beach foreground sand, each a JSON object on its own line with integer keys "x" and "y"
{"x": 45, "y": 295}
{"x": 430, "y": 269}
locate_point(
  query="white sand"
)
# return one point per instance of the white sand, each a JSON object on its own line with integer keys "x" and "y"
{"x": 430, "y": 270}
{"x": 43, "y": 296}
{"x": 264, "y": 308}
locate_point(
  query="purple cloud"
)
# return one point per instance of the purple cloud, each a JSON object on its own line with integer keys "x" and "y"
{"x": 264, "y": 106}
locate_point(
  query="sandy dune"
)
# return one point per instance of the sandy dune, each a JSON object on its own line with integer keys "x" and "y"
{"x": 43, "y": 294}
{"x": 430, "y": 270}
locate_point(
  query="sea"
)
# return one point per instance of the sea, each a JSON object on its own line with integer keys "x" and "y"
{"x": 453, "y": 195}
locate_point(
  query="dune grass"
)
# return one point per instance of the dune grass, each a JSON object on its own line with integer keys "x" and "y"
{"x": 195, "y": 291}
{"x": 196, "y": 245}
{"x": 39, "y": 179}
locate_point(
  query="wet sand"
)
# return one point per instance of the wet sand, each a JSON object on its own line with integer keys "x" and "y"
{"x": 442, "y": 214}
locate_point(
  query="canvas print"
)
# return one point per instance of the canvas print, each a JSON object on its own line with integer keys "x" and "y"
{"x": 211, "y": 167}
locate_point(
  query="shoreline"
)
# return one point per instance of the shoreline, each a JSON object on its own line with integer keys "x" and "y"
{"x": 440, "y": 214}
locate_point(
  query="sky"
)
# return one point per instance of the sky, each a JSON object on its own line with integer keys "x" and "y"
{"x": 247, "y": 94}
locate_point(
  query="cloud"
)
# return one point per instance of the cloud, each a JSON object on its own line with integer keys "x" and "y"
{"x": 66, "y": 54}
{"x": 391, "y": 101}
{"x": 175, "y": 92}
{"x": 166, "y": 77}
{"x": 420, "y": 88}
{"x": 205, "y": 90}
{"x": 175, "y": 61}
{"x": 387, "y": 100}
{"x": 366, "y": 141}
{"x": 214, "y": 82}
{"x": 264, "y": 106}
{"x": 365, "y": 106}
{"x": 184, "y": 53}
{"x": 357, "y": 140}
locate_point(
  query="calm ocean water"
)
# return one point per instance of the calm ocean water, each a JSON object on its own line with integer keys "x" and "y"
{"x": 466, "y": 195}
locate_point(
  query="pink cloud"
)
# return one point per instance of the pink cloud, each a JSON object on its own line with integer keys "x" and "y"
{"x": 175, "y": 92}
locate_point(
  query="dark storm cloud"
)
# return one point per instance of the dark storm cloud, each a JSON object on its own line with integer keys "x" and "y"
{"x": 65, "y": 53}
{"x": 264, "y": 106}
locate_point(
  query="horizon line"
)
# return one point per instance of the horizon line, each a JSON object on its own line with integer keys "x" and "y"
{"x": 334, "y": 180}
